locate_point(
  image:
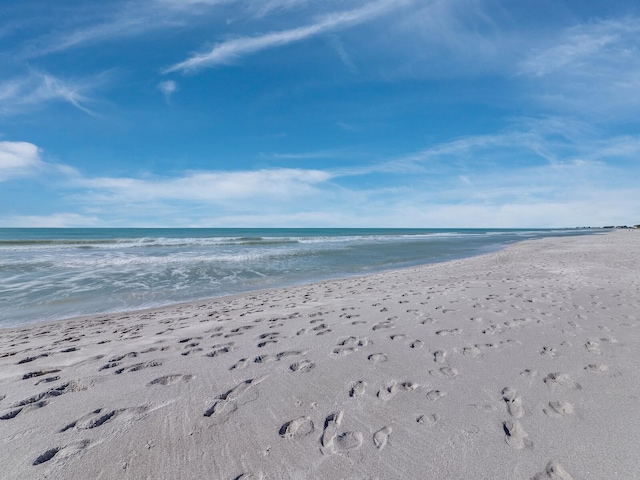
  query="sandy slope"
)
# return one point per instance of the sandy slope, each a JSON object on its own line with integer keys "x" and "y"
{"x": 523, "y": 364}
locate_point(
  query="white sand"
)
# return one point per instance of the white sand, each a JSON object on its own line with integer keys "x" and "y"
{"x": 515, "y": 365}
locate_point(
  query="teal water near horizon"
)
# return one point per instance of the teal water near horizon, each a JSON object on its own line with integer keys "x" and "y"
{"x": 50, "y": 274}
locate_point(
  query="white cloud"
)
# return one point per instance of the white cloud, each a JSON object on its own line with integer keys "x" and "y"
{"x": 168, "y": 88}
{"x": 230, "y": 50}
{"x": 275, "y": 184}
{"x": 18, "y": 159}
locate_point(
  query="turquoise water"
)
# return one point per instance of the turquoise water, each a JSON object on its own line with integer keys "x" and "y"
{"x": 48, "y": 274}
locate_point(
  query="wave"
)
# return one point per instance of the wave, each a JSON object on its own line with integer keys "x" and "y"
{"x": 244, "y": 240}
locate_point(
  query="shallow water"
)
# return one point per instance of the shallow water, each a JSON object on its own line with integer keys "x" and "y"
{"x": 48, "y": 274}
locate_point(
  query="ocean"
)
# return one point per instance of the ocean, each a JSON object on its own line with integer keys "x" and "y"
{"x": 50, "y": 274}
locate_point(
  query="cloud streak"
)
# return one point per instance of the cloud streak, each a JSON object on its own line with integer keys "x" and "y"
{"x": 119, "y": 21}
{"x": 31, "y": 91}
{"x": 272, "y": 184}
{"x": 590, "y": 68}
{"x": 225, "y": 52}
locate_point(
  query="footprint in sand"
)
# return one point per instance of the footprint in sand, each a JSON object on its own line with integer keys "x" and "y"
{"x": 515, "y": 436}
{"x": 513, "y": 401}
{"x": 428, "y": 321}
{"x": 399, "y": 336}
{"x": 240, "y": 364}
{"x": 62, "y": 453}
{"x": 332, "y": 443}
{"x": 381, "y": 437}
{"x": 558, "y": 409}
{"x": 302, "y": 366}
{"x": 264, "y": 359}
{"x": 596, "y": 367}
{"x": 171, "y": 379}
{"x": 377, "y": 358}
{"x": 39, "y": 373}
{"x": 349, "y": 441}
{"x": 435, "y": 395}
{"x": 297, "y": 428}
{"x": 138, "y": 366}
{"x": 288, "y": 353}
{"x": 493, "y": 329}
{"x": 428, "y": 420}
{"x": 228, "y": 402}
{"x": 391, "y": 389}
{"x": 17, "y": 411}
{"x": 553, "y": 380}
{"x": 439, "y": 356}
{"x": 343, "y": 351}
{"x": 550, "y": 352}
{"x": 553, "y": 471}
{"x": 358, "y": 389}
{"x": 32, "y": 358}
{"x": 472, "y": 351}
{"x": 99, "y": 417}
{"x": 387, "y": 392}
{"x": 529, "y": 373}
{"x": 593, "y": 348}
{"x": 42, "y": 399}
{"x": 444, "y": 372}
{"x": 386, "y": 324}
{"x": 454, "y": 331}
{"x": 321, "y": 329}
{"x": 355, "y": 342}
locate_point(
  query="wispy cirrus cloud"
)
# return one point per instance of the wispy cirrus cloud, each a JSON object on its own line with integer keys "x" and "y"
{"x": 109, "y": 23}
{"x": 594, "y": 48}
{"x": 125, "y": 20}
{"x": 24, "y": 93}
{"x": 591, "y": 68}
{"x": 230, "y": 50}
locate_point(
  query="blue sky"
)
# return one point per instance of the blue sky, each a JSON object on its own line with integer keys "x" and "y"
{"x": 384, "y": 113}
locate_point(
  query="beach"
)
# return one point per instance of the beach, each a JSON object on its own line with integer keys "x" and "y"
{"x": 517, "y": 364}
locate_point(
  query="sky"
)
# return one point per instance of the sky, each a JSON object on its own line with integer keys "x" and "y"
{"x": 333, "y": 113}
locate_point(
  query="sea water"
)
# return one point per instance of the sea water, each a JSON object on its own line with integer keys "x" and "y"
{"x": 48, "y": 274}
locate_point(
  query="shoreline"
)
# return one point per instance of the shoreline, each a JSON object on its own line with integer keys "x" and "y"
{"x": 233, "y": 296}
{"x": 521, "y": 363}
{"x": 79, "y": 280}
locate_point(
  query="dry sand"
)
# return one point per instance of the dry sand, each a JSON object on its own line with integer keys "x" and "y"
{"x": 521, "y": 364}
